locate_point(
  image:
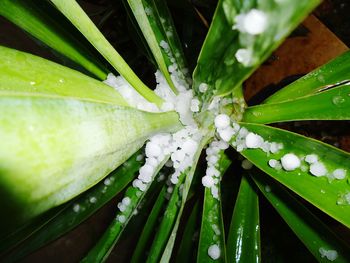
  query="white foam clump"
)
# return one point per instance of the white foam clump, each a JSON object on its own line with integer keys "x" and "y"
{"x": 330, "y": 254}
{"x": 156, "y": 149}
{"x": 180, "y": 146}
{"x": 339, "y": 173}
{"x": 184, "y": 103}
{"x": 129, "y": 93}
{"x": 290, "y": 162}
{"x": 254, "y": 22}
{"x": 214, "y": 251}
{"x": 318, "y": 169}
{"x": 212, "y": 174}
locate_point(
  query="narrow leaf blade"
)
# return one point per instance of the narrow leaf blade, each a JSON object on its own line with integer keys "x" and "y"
{"x": 334, "y": 72}
{"x": 310, "y": 230}
{"x": 218, "y": 63}
{"x": 243, "y": 244}
{"x": 40, "y": 20}
{"x": 73, "y": 213}
{"x": 332, "y": 104}
{"x": 326, "y": 193}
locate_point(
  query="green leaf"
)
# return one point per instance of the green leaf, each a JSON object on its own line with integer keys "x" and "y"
{"x": 71, "y": 214}
{"x": 162, "y": 246}
{"x": 212, "y": 227}
{"x": 335, "y": 72}
{"x": 24, "y": 74}
{"x": 155, "y": 22}
{"x": 187, "y": 247}
{"x": 328, "y": 194}
{"x": 82, "y": 22}
{"x": 243, "y": 243}
{"x": 310, "y": 230}
{"x": 101, "y": 251}
{"x": 332, "y": 104}
{"x": 64, "y": 146}
{"x": 150, "y": 225}
{"x": 41, "y": 20}
{"x": 217, "y": 64}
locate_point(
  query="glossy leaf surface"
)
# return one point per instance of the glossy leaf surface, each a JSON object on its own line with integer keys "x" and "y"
{"x": 104, "y": 246}
{"x": 212, "y": 227}
{"x": 40, "y": 20}
{"x": 218, "y": 65}
{"x": 327, "y": 194}
{"x": 82, "y": 22}
{"x": 73, "y": 213}
{"x": 155, "y": 22}
{"x": 333, "y": 73}
{"x": 27, "y": 75}
{"x": 310, "y": 230}
{"x": 243, "y": 243}
{"x": 333, "y": 104}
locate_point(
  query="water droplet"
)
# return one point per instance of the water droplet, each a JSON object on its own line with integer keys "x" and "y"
{"x": 338, "y": 101}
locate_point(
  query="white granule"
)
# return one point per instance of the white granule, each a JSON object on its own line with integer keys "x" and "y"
{"x": 222, "y": 121}
{"x": 139, "y": 157}
{"x": 121, "y": 207}
{"x": 107, "y": 181}
{"x": 318, "y": 169}
{"x": 244, "y": 56}
{"x": 290, "y": 162}
{"x": 339, "y": 173}
{"x": 195, "y": 105}
{"x": 121, "y": 218}
{"x": 92, "y": 200}
{"x": 208, "y": 181}
{"x": 129, "y": 93}
{"x": 246, "y": 164}
{"x": 212, "y": 171}
{"x": 214, "y": 252}
{"x": 215, "y": 191}
{"x": 126, "y": 201}
{"x": 152, "y": 161}
{"x": 203, "y": 87}
{"x": 253, "y": 140}
{"x": 164, "y": 45}
{"x": 254, "y": 22}
{"x": 153, "y": 150}
{"x": 174, "y": 178}
{"x": 267, "y": 189}
{"x": 216, "y": 229}
{"x": 190, "y": 146}
{"x": 329, "y": 254}
{"x": 212, "y": 159}
{"x": 273, "y": 163}
{"x": 311, "y": 158}
{"x": 76, "y": 208}
{"x": 226, "y": 134}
